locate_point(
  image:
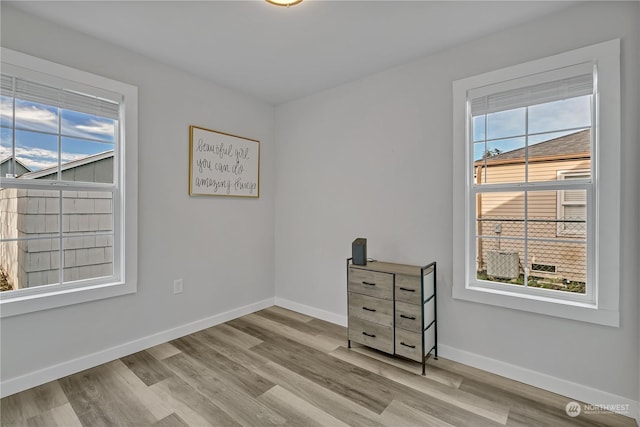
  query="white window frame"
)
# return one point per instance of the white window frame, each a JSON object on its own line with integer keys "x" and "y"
{"x": 561, "y": 202}
{"x": 602, "y": 305}
{"x": 125, "y": 211}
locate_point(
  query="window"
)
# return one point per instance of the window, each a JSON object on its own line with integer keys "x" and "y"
{"x": 65, "y": 135}
{"x": 529, "y": 140}
{"x": 572, "y": 206}
{"x": 521, "y": 136}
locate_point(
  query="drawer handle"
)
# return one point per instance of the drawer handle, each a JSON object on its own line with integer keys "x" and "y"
{"x": 368, "y": 283}
{"x": 368, "y": 309}
{"x": 369, "y": 335}
{"x": 407, "y": 289}
{"x": 407, "y": 345}
{"x": 407, "y": 317}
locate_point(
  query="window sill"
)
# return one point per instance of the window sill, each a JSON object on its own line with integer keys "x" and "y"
{"x": 18, "y": 305}
{"x": 573, "y": 310}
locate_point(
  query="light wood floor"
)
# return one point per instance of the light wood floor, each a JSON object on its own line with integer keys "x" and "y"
{"x": 277, "y": 367}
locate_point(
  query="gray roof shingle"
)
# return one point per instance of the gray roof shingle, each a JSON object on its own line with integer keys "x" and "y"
{"x": 569, "y": 146}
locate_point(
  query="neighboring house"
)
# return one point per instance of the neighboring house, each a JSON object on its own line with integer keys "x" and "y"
{"x": 36, "y": 213}
{"x": 6, "y": 167}
{"x": 95, "y": 168}
{"x": 558, "y": 218}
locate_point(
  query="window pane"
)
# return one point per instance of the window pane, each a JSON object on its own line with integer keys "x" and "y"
{"x": 87, "y": 211}
{"x": 87, "y": 256}
{"x": 556, "y": 246}
{"x": 29, "y": 213}
{"x": 29, "y": 263}
{"x": 87, "y": 235}
{"x": 33, "y": 218}
{"x": 541, "y": 205}
{"x": 500, "y": 236}
{"x": 566, "y": 153}
{"x": 88, "y": 161}
{"x": 35, "y": 116}
{"x": 565, "y": 114}
{"x": 504, "y": 124}
{"x": 499, "y": 161}
{"x": 501, "y": 205}
{"x": 88, "y": 126}
{"x": 37, "y": 152}
{"x": 559, "y": 266}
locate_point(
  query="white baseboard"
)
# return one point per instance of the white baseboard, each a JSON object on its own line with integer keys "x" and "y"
{"x": 312, "y": 311}
{"x": 14, "y": 385}
{"x": 546, "y": 382}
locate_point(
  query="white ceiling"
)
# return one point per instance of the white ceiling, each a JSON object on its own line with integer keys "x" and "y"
{"x": 279, "y": 54}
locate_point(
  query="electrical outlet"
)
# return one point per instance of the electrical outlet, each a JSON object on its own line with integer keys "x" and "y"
{"x": 177, "y": 286}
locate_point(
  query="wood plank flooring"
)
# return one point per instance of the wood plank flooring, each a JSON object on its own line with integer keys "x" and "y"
{"x": 281, "y": 368}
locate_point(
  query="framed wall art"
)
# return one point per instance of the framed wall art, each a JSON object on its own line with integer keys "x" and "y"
{"x": 221, "y": 164}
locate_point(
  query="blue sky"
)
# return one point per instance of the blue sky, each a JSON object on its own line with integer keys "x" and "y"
{"x": 36, "y": 133}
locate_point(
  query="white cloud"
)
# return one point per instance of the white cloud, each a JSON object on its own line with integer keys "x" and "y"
{"x": 36, "y": 115}
{"x": 6, "y": 107}
{"x": 30, "y": 115}
{"x": 97, "y": 127}
{"x": 39, "y": 158}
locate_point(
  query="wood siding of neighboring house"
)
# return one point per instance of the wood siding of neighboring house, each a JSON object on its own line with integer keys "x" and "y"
{"x": 36, "y": 214}
{"x": 98, "y": 171}
{"x": 502, "y": 214}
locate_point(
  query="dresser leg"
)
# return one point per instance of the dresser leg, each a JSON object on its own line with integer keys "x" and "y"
{"x": 348, "y": 343}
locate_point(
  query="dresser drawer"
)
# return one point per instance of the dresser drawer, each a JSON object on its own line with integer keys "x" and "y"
{"x": 371, "y": 283}
{"x": 409, "y": 344}
{"x": 408, "y": 289}
{"x": 371, "y": 334}
{"x": 369, "y": 308}
{"x": 408, "y": 316}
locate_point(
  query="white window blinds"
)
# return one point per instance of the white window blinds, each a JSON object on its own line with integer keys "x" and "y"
{"x": 59, "y": 97}
{"x": 533, "y": 90}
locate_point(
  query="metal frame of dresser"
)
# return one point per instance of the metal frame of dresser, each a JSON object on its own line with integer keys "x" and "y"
{"x": 434, "y": 323}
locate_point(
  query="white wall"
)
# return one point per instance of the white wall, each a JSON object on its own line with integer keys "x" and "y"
{"x": 373, "y": 159}
{"x": 221, "y": 247}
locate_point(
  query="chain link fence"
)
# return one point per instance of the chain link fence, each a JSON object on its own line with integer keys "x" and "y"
{"x": 546, "y": 252}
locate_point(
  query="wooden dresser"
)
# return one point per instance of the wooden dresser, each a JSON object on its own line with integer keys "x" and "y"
{"x": 392, "y": 308}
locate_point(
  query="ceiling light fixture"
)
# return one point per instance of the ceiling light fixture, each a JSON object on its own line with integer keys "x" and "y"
{"x": 285, "y": 3}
